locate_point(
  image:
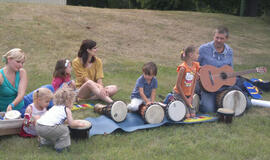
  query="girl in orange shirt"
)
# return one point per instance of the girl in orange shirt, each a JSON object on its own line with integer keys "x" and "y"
{"x": 186, "y": 79}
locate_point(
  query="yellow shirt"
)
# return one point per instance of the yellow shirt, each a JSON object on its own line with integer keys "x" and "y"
{"x": 94, "y": 72}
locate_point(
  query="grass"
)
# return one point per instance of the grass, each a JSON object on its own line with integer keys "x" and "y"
{"x": 127, "y": 39}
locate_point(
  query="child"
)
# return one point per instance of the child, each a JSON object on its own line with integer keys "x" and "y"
{"x": 50, "y": 127}
{"x": 145, "y": 88}
{"x": 41, "y": 98}
{"x": 62, "y": 74}
{"x": 186, "y": 79}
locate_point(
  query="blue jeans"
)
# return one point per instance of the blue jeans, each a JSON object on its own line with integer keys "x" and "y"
{"x": 208, "y": 99}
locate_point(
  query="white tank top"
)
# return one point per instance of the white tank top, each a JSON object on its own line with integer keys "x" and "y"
{"x": 55, "y": 116}
{"x": 35, "y": 112}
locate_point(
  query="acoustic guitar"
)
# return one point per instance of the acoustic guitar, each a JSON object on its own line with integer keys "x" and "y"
{"x": 213, "y": 78}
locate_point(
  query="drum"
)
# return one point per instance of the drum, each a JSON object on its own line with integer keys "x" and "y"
{"x": 78, "y": 133}
{"x": 232, "y": 99}
{"x": 152, "y": 114}
{"x": 225, "y": 115}
{"x": 175, "y": 111}
{"x": 117, "y": 111}
{"x": 13, "y": 114}
{"x": 196, "y": 102}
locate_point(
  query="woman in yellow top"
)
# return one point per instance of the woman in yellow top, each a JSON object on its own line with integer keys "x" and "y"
{"x": 89, "y": 74}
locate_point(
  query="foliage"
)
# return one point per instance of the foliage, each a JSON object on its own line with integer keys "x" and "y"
{"x": 213, "y": 6}
{"x": 265, "y": 4}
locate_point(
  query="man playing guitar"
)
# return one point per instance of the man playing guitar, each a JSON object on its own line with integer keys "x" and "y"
{"x": 216, "y": 53}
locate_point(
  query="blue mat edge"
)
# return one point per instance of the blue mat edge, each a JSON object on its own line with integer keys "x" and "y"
{"x": 139, "y": 127}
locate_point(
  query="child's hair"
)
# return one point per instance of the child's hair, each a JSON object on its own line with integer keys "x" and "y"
{"x": 42, "y": 93}
{"x": 61, "y": 65}
{"x": 64, "y": 96}
{"x": 86, "y": 44}
{"x": 15, "y": 53}
{"x": 187, "y": 52}
{"x": 150, "y": 68}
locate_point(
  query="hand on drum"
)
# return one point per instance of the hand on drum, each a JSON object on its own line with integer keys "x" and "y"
{"x": 148, "y": 102}
{"x": 9, "y": 108}
{"x": 189, "y": 102}
{"x": 82, "y": 123}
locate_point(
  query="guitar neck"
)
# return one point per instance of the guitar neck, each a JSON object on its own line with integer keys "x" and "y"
{"x": 234, "y": 74}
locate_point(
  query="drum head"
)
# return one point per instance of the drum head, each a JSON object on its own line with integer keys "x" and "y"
{"x": 236, "y": 101}
{"x": 196, "y": 102}
{"x": 119, "y": 111}
{"x": 225, "y": 111}
{"x": 13, "y": 114}
{"x": 176, "y": 111}
{"x": 154, "y": 114}
{"x": 86, "y": 123}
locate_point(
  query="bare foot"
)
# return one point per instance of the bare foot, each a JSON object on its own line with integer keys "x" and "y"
{"x": 187, "y": 115}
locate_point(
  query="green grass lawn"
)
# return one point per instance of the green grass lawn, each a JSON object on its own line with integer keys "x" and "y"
{"x": 126, "y": 40}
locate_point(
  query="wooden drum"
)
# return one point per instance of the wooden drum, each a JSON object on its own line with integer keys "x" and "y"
{"x": 152, "y": 113}
{"x": 117, "y": 111}
{"x": 176, "y": 110}
{"x": 196, "y": 102}
{"x": 78, "y": 133}
{"x": 225, "y": 115}
{"x": 232, "y": 99}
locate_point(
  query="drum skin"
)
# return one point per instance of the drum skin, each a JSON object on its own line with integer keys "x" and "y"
{"x": 176, "y": 111}
{"x": 232, "y": 99}
{"x": 118, "y": 111}
{"x": 152, "y": 113}
{"x": 225, "y": 115}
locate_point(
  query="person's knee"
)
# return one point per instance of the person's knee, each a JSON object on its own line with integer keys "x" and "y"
{"x": 90, "y": 84}
{"x": 132, "y": 107}
{"x": 112, "y": 89}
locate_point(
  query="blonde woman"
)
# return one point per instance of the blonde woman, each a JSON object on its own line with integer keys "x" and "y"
{"x": 13, "y": 81}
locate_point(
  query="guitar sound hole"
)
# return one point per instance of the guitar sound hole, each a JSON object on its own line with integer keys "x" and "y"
{"x": 223, "y": 75}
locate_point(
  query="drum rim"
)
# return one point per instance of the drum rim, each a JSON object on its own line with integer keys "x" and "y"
{"x": 82, "y": 120}
{"x": 236, "y": 113}
{"x": 220, "y": 111}
{"x": 148, "y": 109}
{"x": 16, "y": 115}
{"x": 168, "y": 110}
{"x": 196, "y": 96}
{"x": 118, "y": 119}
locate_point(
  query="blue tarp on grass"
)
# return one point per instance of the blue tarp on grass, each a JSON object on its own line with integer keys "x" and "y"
{"x": 104, "y": 125}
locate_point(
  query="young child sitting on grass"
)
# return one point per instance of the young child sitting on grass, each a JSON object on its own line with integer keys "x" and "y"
{"x": 62, "y": 74}
{"x": 145, "y": 88}
{"x": 34, "y": 111}
{"x": 50, "y": 127}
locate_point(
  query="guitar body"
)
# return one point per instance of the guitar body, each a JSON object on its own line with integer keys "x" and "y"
{"x": 213, "y": 78}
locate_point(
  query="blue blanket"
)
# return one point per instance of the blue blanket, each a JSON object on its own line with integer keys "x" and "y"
{"x": 133, "y": 122}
